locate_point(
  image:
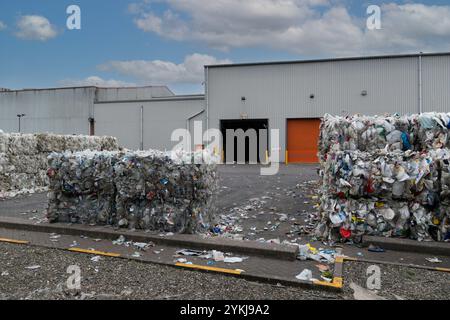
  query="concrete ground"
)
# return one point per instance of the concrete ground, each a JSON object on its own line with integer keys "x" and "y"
{"x": 268, "y": 207}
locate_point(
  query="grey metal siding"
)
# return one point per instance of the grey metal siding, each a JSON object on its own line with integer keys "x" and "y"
{"x": 161, "y": 118}
{"x": 280, "y": 92}
{"x": 436, "y": 83}
{"x": 126, "y": 94}
{"x": 62, "y": 111}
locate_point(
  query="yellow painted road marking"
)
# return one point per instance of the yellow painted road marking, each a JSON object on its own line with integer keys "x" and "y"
{"x": 199, "y": 267}
{"x": 337, "y": 283}
{"x": 339, "y": 259}
{"x": 443, "y": 269}
{"x": 13, "y": 241}
{"x": 99, "y": 253}
{"x": 350, "y": 259}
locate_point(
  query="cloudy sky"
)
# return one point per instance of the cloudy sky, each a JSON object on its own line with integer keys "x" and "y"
{"x": 155, "y": 42}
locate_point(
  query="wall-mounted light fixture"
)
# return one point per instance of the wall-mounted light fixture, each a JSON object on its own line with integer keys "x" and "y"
{"x": 364, "y": 93}
{"x": 312, "y": 96}
{"x": 20, "y": 116}
{"x": 243, "y": 98}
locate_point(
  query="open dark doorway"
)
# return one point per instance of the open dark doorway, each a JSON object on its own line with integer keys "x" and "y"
{"x": 261, "y": 136}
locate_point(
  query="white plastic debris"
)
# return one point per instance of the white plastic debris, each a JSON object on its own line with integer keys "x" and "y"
{"x": 136, "y": 255}
{"x": 96, "y": 258}
{"x": 218, "y": 256}
{"x": 34, "y": 267}
{"x": 305, "y": 275}
{"x": 434, "y": 260}
{"x": 234, "y": 259}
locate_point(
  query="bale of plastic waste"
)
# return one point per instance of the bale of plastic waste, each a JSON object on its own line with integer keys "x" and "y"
{"x": 427, "y": 131}
{"x": 386, "y": 175}
{"x": 347, "y": 218}
{"x": 81, "y": 187}
{"x": 148, "y": 190}
{"x": 433, "y": 130}
{"x": 159, "y": 191}
{"x": 23, "y": 158}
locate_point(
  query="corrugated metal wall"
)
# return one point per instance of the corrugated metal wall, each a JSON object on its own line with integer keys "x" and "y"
{"x": 127, "y": 94}
{"x": 161, "y": 118}
{"x": 282, "y": 91}
{"x": 436, "y": 83}
{"x": 63, "y": 111}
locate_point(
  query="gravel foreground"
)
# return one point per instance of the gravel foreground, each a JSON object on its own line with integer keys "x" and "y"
{"x": 40, "y": 274}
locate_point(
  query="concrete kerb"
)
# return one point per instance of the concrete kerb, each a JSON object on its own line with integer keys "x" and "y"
{"x": 399, "y": 264}
{"x": 281, "y": 252}
{"x": 398, "y": 244}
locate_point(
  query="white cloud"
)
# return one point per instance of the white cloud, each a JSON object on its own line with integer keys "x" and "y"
{"x": 411, "y": 27}
{"x": 95, "y": 81}
{"x": 33, "y": 27}
{"x": 158, "y": 72}
{"x": 2, "y": 26}
{"x": 307, "y": 27}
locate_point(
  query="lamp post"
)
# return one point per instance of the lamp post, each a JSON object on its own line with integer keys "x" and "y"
{"x": 20, "y": 116}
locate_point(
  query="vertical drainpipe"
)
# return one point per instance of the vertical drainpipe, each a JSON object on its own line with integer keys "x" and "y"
{"x": 420, "y": 85}
{"x": 142, "y": 127}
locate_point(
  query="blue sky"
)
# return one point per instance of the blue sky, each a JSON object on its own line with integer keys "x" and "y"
{"x": 159, "y": 42}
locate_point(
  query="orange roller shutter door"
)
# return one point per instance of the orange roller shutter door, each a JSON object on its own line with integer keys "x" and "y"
{"x": 302, "y": 140}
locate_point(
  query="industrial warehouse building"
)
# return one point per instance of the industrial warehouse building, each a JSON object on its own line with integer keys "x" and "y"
{"x": 289, "y": 96}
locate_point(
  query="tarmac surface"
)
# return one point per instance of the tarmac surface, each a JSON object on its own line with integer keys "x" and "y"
{"x": 268, "y": 207}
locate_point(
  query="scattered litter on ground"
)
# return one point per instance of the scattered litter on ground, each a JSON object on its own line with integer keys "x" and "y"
{"x": 319, "y": 255}
{"x": 34, "y": 267}
{"x": 136, "y": 255}
{"x": 305, "y": 275}
{"x": 434, "y": 260}
{"x": 233, "y": 259}
{"x": 215, "y": 255}
{"x": 96, "y": 259}
{"x": 376, "y": 249}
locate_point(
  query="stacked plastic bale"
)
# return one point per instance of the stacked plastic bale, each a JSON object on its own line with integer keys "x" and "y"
{"x": 364, "y": 133}
{"x": 147, "y": 190}
{"x": 375, "y": 183}
{"x": 159, "y": 191}
{"x": 5, "y": 165}
{"x": 81, "y": 187}
{"x": 23, "y": 158}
